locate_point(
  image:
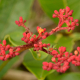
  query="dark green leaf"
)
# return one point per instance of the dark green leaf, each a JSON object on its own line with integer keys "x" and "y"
{"x": 50, "y": 6}
{"x": 6, "y": 65}
{"x": 75, "y": 36}
{"x": 15, "y": 38}
{"x": 11, "y": 10}
{"x": 66, "y": 42}
{"x": 64, "y": 76}
{"x": 35, "y": 66}
{"x": 38, "y": 55}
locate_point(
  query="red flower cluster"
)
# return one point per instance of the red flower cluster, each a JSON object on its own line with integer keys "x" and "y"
{"x": 39, "y": 46}
{"x": 30, "y": 38}
{"x": 64, "y": 16}
{"x": 20, "y": 22}
{"x": 7, "y": 52}
{"x": 62, "y": 59}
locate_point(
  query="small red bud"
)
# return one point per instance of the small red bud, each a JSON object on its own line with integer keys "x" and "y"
{"x": 76, "y": 20}
{"x": 53, "y": 59}
{"x": 24, "y": 21}
{"x": 34, "y": 36}
{"x": 31, "y": 39}
{"x": 7, "y": 56}
{"x": 70, "y": 13}
{"x": 16, "y": 54}
{"x": 40, "y": 42}
{"x": 28, "y": 35}
{"x": 67, "y": 9}
{"x": 17, "y": 22}
{"x": 44, "y": 37}
{"x": 24, "y": 34}
{"x": 73, "y": 24}
{"x": 35, "y": 45}
{"x": 4, "y": 42}
{"x": 56, "y": 12}
{"x": 77, "y": 24}
{"x": 54, "y": 52}
{"x": 44, "y": 68}
{"x": 66, "y": 54}
{"x": 18, "y": 49}
{"x": 45, "y": 63}
{"x": 54, "y": 15}
{"x": 21, "y": 19}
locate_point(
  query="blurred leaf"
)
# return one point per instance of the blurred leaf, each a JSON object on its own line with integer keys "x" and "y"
{"x": 50, "y": 39}
{"x": 6, "y": 65}
{"x": 11, "y": 10}
{"x": 40, "y": 55}
{"x": 15, "y": 38}
{"x": 67, "y": 76}
{"x": 66, "y": 42}
{"x": 75, "y": 36}
{"x": 50, "y": 6}
{"x": 53, "y": 76}
{"x": 57, "y": 41}
{"x": 64, "y": 76}
{"x": 35, "y": 66}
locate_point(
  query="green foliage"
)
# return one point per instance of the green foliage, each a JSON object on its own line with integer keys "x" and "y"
{"x": 67, "y": 42}
{"x": 75, "y": 36}
{"x": 15, "y": 38}
{"x": 64, "y": 76}
{"x": 40, "y": 55}
{"x": 6, "y": 65}
{"x": 50, "y": 6}
{"x": 11, "y": 10}
{"x": 35, "y": 66}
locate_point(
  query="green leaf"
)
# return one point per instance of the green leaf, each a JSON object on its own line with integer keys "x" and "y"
{"x": 75, "y": 36}
{"x": 65, "y": 76}
{"x": 40, "y": 55}
{"x": 11, "y": 10}
{"x": 15, "y": 38}
{"x": 65, "y": 42}
{"x": 6, "y": 65}
{"x": 53, "y": 76}
{"x": 35, "y": 66}
{"x": 50, "y": 39}
{"x": 69, "y": 76}
{"x": 50, "y": 6}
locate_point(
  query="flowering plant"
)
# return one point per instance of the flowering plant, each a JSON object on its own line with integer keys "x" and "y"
{"x": 49, "y": 51}
{"x": 61, "y": 59}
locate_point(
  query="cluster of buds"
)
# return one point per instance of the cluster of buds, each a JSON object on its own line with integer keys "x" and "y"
{"x": 29, "y": 38}
{"x": 20, "y": 22}
{"x": 64, "y": 16}
{"x": 39, "y": 46}
{"x": 62, "y": 60}
{"x": 7, "y": 52}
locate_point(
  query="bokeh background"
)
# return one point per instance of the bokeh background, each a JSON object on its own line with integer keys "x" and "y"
{"x": 28, "y": 65}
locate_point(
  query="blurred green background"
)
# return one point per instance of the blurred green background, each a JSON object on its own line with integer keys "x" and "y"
{"x": 28, "y": 66}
